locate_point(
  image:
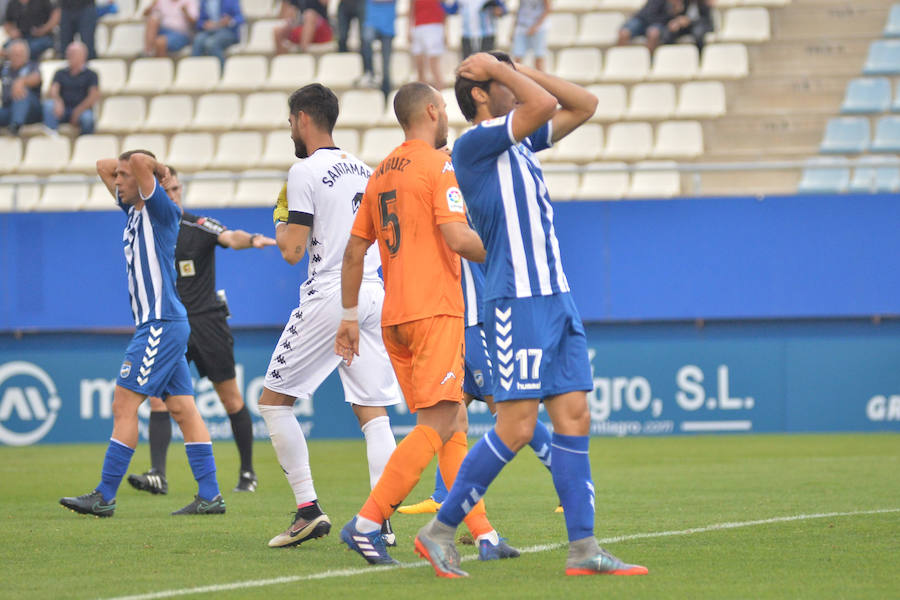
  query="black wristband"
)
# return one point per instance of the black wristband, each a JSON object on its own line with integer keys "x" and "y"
{"x": 253, "y": 236}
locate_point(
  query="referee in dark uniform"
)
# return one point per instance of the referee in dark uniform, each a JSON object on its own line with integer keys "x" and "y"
{"x": 210, "y": 346}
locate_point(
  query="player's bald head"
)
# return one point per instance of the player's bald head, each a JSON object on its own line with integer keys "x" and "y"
{"x": 411, "y": 101}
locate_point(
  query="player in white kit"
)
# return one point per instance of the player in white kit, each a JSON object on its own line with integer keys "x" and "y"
{"x": 315, "y": 214}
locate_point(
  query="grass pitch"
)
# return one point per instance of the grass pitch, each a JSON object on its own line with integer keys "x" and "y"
{"x": 671, "y": 489}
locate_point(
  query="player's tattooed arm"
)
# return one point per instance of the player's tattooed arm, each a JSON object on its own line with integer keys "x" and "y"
{"x": 291, "y": 238}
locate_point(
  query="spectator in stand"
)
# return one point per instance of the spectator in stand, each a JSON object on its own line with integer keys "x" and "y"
{"x": 21, "y": 88}
{"x": 692, "y": 17}
{"x": 169, "y": 26}
{"x": 346, "y": 12}
{"x": 218, "y": 27}
{"x": 32, "y": 21}
{"x": 479, "y": 23}
{"x": 74, "y": 93}
{"x": 426, "y": 39}
{"x": 77, "y": 16}
{"x": 530, "y": 32}
{"x": 379, "y": 25}
{"x": 649, "y": 21}
{"x": 305, "y": 23}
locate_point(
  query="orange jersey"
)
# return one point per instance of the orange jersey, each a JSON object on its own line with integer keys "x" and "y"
{"x": 411, "y": 192}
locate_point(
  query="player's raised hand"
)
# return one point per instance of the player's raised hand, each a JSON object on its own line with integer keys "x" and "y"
{"x": 262, "y": 241}
{"x": 280, "y": 214}
{"x": 477, "y": 67}
{"x": 346, "y": 344}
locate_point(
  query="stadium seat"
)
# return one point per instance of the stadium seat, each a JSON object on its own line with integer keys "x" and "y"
{"x": 651, "y": 101}
{"x": 612, "y": 101}
{"x": 358, "y": 107}
{"x": 654, "y": 183}
{"x": 388, "y": 117}
{"x": 216, "y": 112}
{"x": 561, "y": 185}
{"x": 867, "y": 95}
{"x": 289, "y": 71}
{"x": 99, "y": 198}
{"x": 678, "y": 139}
{"x": 626, "y": 63}
{"x": 600, "y": 28}
{"x": 626, "y": 5}
{"x": 675, "y": 63}
{"x": 111, "y": 73}
{"x": 10, "y": 153}
{"x": 876, "y": 174}
{"x": 883, "y": 58}
{"x": 190, "y": 151}
{"x": 62, "y": 193}
{"x": 604, "y": 181}
{"x": 261, "y": 40}
{"x": 244, "y": 73}
{"x": 401, "y": 42}
{"x": 196, "y": 74}
{"x": 48, "y": 69}
{"x": 238, "y": 150}
{"x": 628, "y": 141}
{"x": 887, "y": 135}
{"x": 582, "y": 145}
{"x": 127, "y": 11}
{"x": 892, "y": 28}
{"x": 503, "y": 37}
{"x": 20, "y": 193}
{"x": 258, "y": 188}
{"x": 211, "y": 189}
{"x": 453, "y": 32}
{"x": 127, "y": 41}
{"x": 338, "y": 70}
{"x": 101, "y": 40}
{"x": 154, "y": 142}
{"x": 575, "y": 6}
{"x": 169, "y": 113}
{"x": 279, "y": 151}
{"x": 45, "y": 155}
{"x": 265, "y": 110}
{"x": 823, "y": 175}
{"x": 745, "y": 25}
{"x": 562, "y": 29}
{"x": 724, "y": 61}
{"x": 581, "y": 65}
{"x": 402, "y": 69}
{"x": 701, "y": 99}
{"x": 150, "y": 75}
{"x": 378, "y": 142}
{"x": 122, "y": 114}
{"x": 347, "y": 139}
{"x": 258, "y": 9}
{"x": 895, "y": 105}
{"x": 454, "y": 114}
{"x": 88, "y": 149}
{"x": 845, "y": 135}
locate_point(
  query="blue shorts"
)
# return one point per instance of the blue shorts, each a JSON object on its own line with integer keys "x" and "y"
{"x": 155, "y": 364}
{"x": 537, "y": 346}
{"x": 478, "y": 381}
{"x": 522, "y": 43}
{"x": 175, "y": 40}
{"x": 638, "y": 27}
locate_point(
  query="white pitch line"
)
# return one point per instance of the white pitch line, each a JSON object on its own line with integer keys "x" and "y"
{"x": 239, "y": 585}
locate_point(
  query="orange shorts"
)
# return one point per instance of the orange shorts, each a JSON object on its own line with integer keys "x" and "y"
{"x": 322, "y": 34}
{"x": 427, "y": 355}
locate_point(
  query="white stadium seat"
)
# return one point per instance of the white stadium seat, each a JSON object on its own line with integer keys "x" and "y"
{"x": 347, "y": 139}
{"x": 628, "y": 141}
{"x": 581, "y": 65}
{"x": 378, "y": 142}
{"x": 600, "y": 28}
{"x": 111, "y": 73}
{"x": 339, "y": 69}
{"x": 48, "y": 69}
{"x": 154, "y": 142}
{"x": 290, "y": 71}
{"x": 678, "y": 139}
{"x": 127, "y": 40}
{"x": 265, "y": 110}
{"x": 210, "y": 189}
{"x": 675, "y": 63}
{"x": 238, "y": 150}
{"x": 88, "y": 149}
{"x": 745, "y": 25}
{"x": 359, "y": 106}
{"x": 724, "y": 61}
{"x": 196, "y": 74}
{"x": 604, "y": 181}
{"x": 258, "y": 9}
{"x": 244, "y": 73}
{"x": 10, "y": 153}
{"x": 627, "y": 63}
{"x": 701, "y": 99}
{"x": 216, "y": 112}
{"x": 150, "y": 76}
{"x": 562, "y": 29}
{"x": 122, "y": 114}
{"x": 651, "y": 101}
{"x": 190, "y": 151}
{"x": 62, "y": 193}
{"x": 262, "y": 40}
{"x": 655, "y": 184}
{"x": 258, "y": 188}
{"x": 279, "y": 151}
{"x": 612, "y": 101}
{"x": 169, "y": 113}
{"x": 99, "y": 198}
{"x": 19, "y": 192}
{"x": 562, "y": 186}
{"x": 626, "y": 5}
{"x": 582, "y": 145}
{"x": 45, "y": 155}
{"x": 454, "y": 114}
{"x": 101, "y": 40}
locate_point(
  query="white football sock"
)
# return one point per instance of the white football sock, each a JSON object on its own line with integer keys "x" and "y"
{"x": 290, "y": 448}
{"x": 380, "y": 444}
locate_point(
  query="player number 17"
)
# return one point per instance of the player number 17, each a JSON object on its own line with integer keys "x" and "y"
{"x": 522, "y": 357}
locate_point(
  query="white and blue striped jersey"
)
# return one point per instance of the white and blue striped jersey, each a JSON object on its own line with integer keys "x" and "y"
{"x": 473, "y": 290}
{"x": 149, "y": 241}
{"x": 509, "y": 206}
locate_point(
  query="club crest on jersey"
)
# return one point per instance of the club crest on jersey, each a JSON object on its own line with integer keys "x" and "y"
{"x": 455, "y": 200}
{"x": 448, "y": 166}
{"x": 186, "y": 268}
{"x": 125, "y": 370}
{"x": 479, "y": 378}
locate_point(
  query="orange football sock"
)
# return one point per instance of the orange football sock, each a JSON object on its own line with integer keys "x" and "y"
{"x": 450, "y": 457}
{"x": 401, "y": 473}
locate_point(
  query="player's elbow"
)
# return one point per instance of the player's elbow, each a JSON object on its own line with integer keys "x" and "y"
{"x": 545, "y": 107}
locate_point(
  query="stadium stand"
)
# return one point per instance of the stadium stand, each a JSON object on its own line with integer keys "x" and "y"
{"x": 875, "y": 174}
{"x": 867, "y": 95}
{"x": 846, "y": 135}
{"x": 887, "y": 135}
{"x": 825, "y": 175}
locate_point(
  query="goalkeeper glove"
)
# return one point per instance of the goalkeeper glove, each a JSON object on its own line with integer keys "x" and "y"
{"x": 280, "y": 214}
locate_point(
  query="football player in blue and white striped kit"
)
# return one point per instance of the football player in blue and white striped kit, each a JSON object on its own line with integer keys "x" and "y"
{"x": 155, "y": 363}
{"x": 535, "y": 336}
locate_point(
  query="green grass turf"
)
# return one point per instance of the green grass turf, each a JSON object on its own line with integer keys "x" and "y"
{"x": 643, "y": 486}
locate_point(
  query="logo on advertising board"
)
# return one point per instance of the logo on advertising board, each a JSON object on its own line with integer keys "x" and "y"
{"x": 29, "y": 403}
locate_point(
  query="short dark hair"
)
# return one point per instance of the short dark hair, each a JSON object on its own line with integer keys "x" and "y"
{"x": 464, "y": 86}
{"x": 129, "y": 153}
{"x": 410, "y": 99}
{"x": 318, "y": 102}
{"x": 172, "y": 170}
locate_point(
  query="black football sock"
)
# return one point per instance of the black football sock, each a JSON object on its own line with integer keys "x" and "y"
{"x": 242, "y": 429}
{"x": 160, "y": 436}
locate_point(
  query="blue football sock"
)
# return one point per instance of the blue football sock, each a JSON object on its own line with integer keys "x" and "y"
{"x": 540, "y": 443}
{"x": 571, "y": 472}
{"x": 482, "y": 464}
{"x": 203, "y": 466}
{"x": 440, "y": 489}
{"x": 115, "y": 465}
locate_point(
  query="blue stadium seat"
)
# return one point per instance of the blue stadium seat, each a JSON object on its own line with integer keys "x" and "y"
{"x": 876, "y": 174}
{"x": 892, "y": 29}
{"x": 883, "y": 59}
{"x": 867, "y": 95}
{"x": 887, "y": 135}
{"x": 825, "y": 176}
{"x": 845, "y": 135}
{"x": 895, "y": 105}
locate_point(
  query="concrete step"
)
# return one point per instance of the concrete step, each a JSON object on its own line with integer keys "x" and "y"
{"x": 780, "y": 94}
{"x": 764, "y": 135}
{"x": 823, "y": 19}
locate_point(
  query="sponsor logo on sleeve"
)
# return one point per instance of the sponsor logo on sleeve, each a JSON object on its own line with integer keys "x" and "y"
{"x": 455, "y": 200}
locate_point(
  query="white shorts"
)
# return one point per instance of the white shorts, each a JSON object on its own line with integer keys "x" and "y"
{"x": 428, "y": 40}
{"x": 305, "y": 356}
